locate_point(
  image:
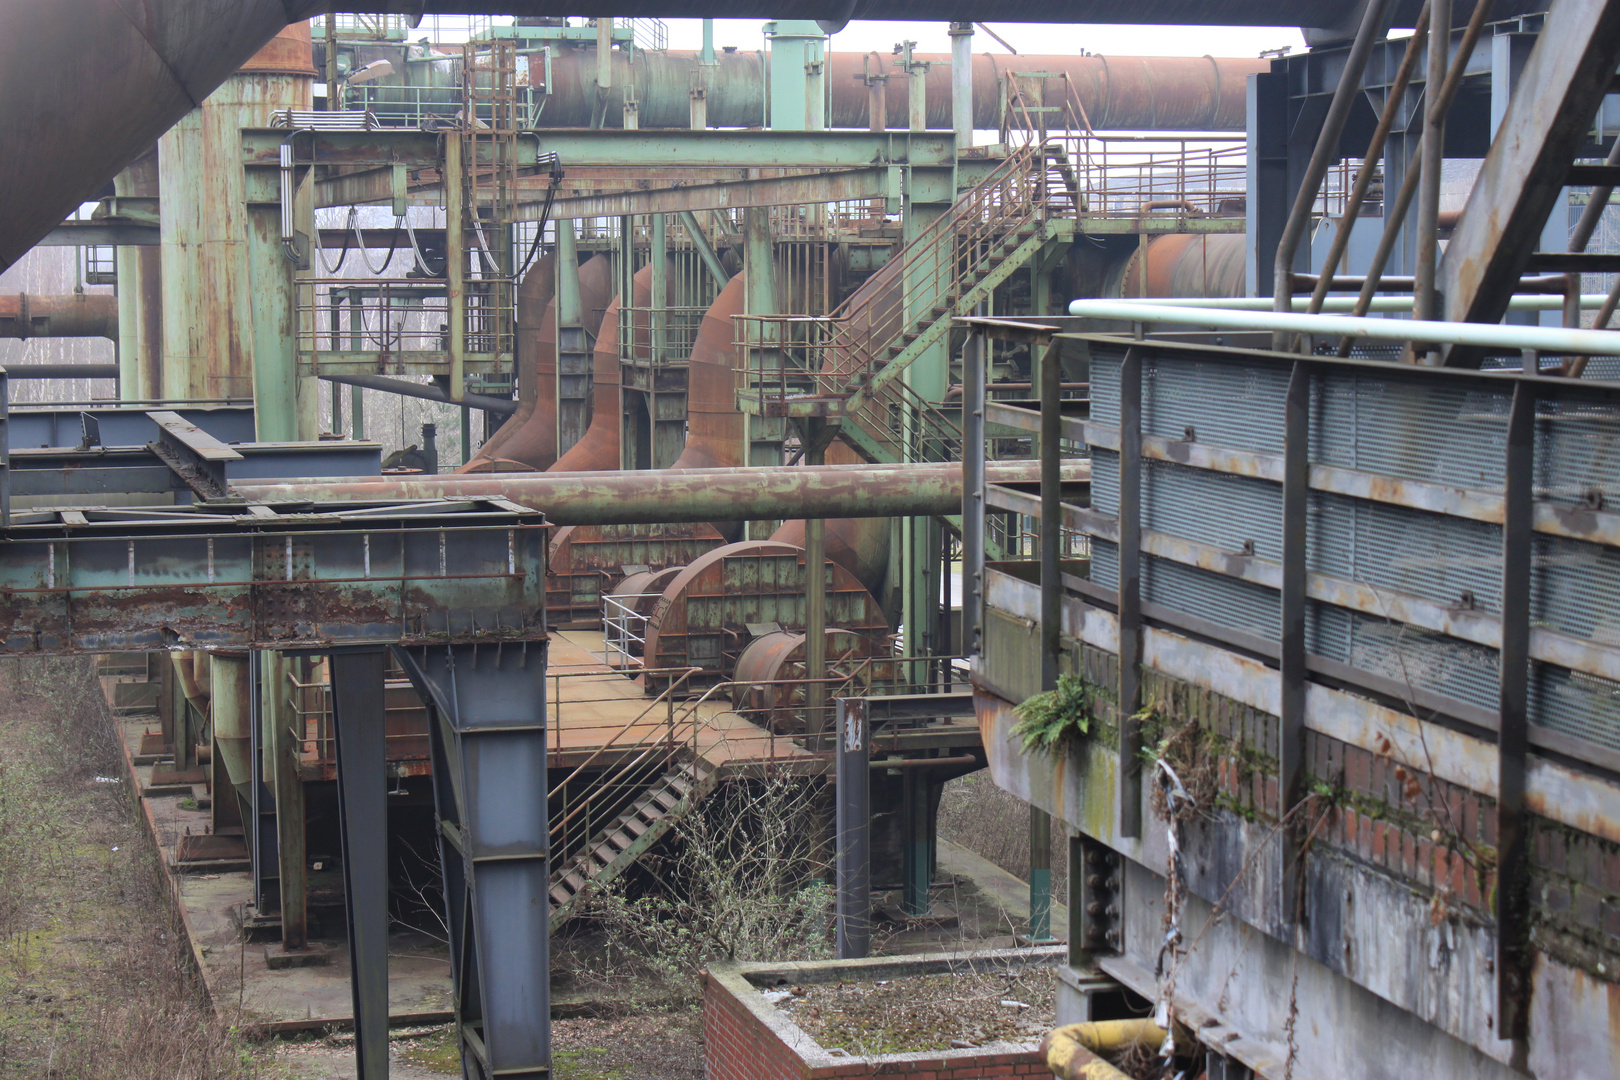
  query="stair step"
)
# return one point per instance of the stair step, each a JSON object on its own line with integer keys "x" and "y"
{"x": 667, "y": 799}
{"x": 560, "y": 894}
{"x": 637, "y": 828}
{"x": 573, "y": 881}
{"x": 618, "y": 839}
{"x": 605, "y": 853}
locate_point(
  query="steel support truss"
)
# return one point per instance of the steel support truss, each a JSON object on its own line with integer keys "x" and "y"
{"x": 456, "y": 588}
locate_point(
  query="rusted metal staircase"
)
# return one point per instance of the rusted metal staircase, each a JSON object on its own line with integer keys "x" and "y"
{"x": 851, "y": 365}
{"x": 618, "y": 844}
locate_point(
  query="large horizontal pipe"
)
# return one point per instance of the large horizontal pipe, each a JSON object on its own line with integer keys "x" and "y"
{"x": 1334, "y": 305}
{"x": 61, "y": 371}
{"x": 73, "y": 315}
{"x": 426, "y": 391}
{"x": 1142, "y": 93}
{"x": 668, "y": 495}
{"x": 1553, "y": 340}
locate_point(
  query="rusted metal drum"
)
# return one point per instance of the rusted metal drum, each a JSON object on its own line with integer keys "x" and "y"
{"x": 702, "y": 620}
{"x": 770, "y": 689}
{"x": 587, "y": 561}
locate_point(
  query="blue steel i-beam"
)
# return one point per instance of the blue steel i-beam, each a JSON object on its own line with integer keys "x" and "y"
{"x": 362, "y": 789}
{"x": 487, "y": 718}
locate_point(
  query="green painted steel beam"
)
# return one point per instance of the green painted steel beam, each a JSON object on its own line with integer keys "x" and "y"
{"x": 325, "y": 363}
{"x": 871, "y": 183}
{"x": 259, "y": 577}
{"x": 1157, "y": 225}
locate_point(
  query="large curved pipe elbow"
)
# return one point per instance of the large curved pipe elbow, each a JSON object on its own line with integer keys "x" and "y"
{"x": 1071, "y": 1051}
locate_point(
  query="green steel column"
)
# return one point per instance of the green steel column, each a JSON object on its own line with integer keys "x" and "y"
{"x": 466, "y": 434}
{"x": 707, "y": 55}
{"x": 140, "y": 294}
{"x": 916, "y": 853}
{"x": 337, "y": 409}
{"x": 765, "y": 434}
{"x": 357, "y": 412}
{"x": 455, "y": 235}
{"x": 273, "y": 302}
{"x": 232, "y": 714}
{"x": 1040, "y": 875}
{"x": 962, "y": 82}
{"x": 286, "y": 747}
{"x": 573, "y": 347}
{"x": 798, "y": 75}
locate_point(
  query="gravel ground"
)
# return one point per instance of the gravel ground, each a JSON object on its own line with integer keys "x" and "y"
{"x": 655, "y": 1046}
{"x": 926, "y": 1012}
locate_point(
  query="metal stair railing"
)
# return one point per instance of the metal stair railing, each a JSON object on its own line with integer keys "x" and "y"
{"x": 639, "y": 757}
{"x": 912, "y": 290}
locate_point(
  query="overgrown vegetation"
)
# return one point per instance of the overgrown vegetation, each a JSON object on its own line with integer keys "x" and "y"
{"x": 994, "y": 824}
{"x": 1183, "y": 759}
{"x": 747, "y": 881}
{"x": 1069, "y": 711}
{"x": 96, "y": 977}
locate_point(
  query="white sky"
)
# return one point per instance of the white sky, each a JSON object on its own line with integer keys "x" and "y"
{"x": 1036, "y": 38}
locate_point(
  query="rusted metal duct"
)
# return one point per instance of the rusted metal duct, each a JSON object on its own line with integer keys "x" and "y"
{"x": 1182, "y": 264}
{"x": 599, "y": 448}
{"x": 715, "y": 432}
{"x": 529, "y": 439}
{"x": 72, "y": 315}
{"x": 660, "y": 495}
{"x": 534, "y": 314}
{"x": 859, "y": 545}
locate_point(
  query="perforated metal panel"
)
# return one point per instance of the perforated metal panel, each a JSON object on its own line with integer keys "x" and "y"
{"x": 1427, "y": 427}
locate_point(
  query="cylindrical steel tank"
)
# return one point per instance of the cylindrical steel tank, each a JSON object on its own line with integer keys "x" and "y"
{"x": 1141, "y": 93}
{"x": 140, "y": 293}
{"x": 770, "y": 690}
{"x": 702, "y": 618}
{"x": 208, "y": 295}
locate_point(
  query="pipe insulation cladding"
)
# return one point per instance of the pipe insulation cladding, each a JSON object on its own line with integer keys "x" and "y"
{"x": 668, "y": 495}
{"x": 1140, "y": 93}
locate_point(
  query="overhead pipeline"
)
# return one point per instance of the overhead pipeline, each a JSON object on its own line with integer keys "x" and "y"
{"x": 660, "y": 495}
{"x": 1145, "y": 93}
{"x": 72, "y": 315}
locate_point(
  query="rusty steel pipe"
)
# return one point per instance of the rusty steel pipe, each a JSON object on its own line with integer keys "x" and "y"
{"x": 666, "y": 495}
{"x": 1182, "y": 264}
{"x": 71, "y": 315}
{"x": 1139, "y": 93}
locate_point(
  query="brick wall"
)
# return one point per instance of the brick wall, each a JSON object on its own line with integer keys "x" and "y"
{"x": 739, "y": 1043}
{"x": 1394, "y": 817}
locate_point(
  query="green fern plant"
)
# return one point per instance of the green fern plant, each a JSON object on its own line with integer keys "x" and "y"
{"x": 1045, "y": 720}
